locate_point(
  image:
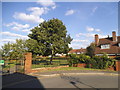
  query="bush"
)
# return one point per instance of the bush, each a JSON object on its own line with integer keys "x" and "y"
{"x": 117, "y": 58}
{"x": 97, "y": 62}
{"x": 78, "y": 58}
{"x": 102, "y": 62}
{"x": 73, "y": 59}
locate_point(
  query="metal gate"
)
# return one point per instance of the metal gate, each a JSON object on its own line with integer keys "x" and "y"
{"x": 12, "y": 66}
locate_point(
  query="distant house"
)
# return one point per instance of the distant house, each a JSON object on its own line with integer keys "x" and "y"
{"x": 60, "y": 55}
{"x": 108, "y": 45}
{"x": 77, "y": 51}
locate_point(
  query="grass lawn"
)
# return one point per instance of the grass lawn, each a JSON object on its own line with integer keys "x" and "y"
{"x": 74, "y": 68}
{"x": 45, "y": 63}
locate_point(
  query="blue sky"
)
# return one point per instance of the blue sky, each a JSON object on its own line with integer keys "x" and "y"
{"x": 82, "y": 19}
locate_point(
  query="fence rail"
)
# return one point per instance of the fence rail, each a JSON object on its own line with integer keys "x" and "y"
{"x": 45, "y": 62}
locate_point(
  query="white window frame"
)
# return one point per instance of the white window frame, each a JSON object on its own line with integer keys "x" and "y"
{"x": 105, "y": 46}
{"x": 119, "y": 44}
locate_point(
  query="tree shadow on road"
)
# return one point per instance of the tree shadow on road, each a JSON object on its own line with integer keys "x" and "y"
{"x": 74, "y": 81}
{"x": 20, "y": 80}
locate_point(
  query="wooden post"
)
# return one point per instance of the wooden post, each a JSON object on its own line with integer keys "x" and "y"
{"x": 28, "y": 62}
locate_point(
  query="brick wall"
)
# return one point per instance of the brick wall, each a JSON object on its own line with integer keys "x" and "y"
{"x": 117, "y": 65}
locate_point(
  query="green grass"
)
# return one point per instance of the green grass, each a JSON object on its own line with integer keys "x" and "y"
{"x": 40, "y": 66}
{"x": 46, "y": 63}
{"x": 74, "y": 68}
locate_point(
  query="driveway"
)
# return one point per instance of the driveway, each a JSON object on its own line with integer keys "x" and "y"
{"x": 64, "y": 79}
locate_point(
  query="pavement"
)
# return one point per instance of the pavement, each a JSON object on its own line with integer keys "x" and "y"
{"x": 62, "y": 79}
{"x": 53, "y": 73}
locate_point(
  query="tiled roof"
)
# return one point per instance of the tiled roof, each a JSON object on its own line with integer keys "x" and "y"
{"x": 77, "y": 51}
{"x": 114, "y": 48}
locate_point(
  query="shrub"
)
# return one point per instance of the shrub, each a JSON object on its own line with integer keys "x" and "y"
{"x": 73, "y": 59}
{"x": 117, "y": 58}
{"x": 78, "y": 58}
{"x": 102, "y": 62}
{"x": 97, "y": 62}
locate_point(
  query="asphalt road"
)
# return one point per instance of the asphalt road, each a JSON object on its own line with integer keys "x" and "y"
{"x": 68, "y": 81}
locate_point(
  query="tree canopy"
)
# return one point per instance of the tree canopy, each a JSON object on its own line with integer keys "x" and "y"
{"x": 50, "y": 37}
{"x": 14, "y": 50}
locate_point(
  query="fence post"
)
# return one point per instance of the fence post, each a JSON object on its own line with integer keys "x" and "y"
{"x": 28, "y": 62}
{"x": 117, "y": 65}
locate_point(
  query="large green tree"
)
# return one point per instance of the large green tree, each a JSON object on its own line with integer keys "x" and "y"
{"x": 51, "y": 38}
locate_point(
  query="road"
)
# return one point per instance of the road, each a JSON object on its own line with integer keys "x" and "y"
{"x": 68, "y": 81}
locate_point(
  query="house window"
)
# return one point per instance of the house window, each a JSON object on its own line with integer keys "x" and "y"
{"x": 119, "y": 44}
{"x": 105, "y": 46}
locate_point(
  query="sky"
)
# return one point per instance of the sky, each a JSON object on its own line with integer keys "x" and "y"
{"x": 82, "y": 19}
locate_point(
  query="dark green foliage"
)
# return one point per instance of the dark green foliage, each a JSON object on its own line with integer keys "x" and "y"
{"x": 78, "y": 58}
{"x": 50, "y": 38}
{"x": 90, "y": 50}
{"x": 96, "y": 62}
{"x": 117, "y": 58}
{"x": 102, "y": 62}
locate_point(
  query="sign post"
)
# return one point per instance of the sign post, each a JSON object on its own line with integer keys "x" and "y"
{"x": 2, "y": 62}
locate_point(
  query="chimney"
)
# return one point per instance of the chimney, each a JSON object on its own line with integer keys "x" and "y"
{"x": 114, "y": 36}
{"x": 96, "y": 39}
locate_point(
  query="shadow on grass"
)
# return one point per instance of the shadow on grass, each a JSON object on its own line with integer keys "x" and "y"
{"x": 19, "y": 80}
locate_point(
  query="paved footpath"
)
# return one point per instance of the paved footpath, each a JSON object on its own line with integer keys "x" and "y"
{"x": 74, "y": 72}
{"x": 62, "y": 79}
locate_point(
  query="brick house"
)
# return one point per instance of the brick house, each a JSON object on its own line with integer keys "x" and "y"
{"x": 108, "y": 45}
{"x": 77, "y": 51}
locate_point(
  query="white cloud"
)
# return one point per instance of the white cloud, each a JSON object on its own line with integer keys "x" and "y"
{"x": 78, "y": 43}
{"x": 38, "y": 11}
{"x": 97, "y": 30}
{"x": 77, "y": 40}
{"x": 10, "y": 24}
{"x": 89, "y": 29}
{"x": 90, "y": 35}
{"x": 27, "y": 30}
{"x": 13, "y": 35}
{"x": 35, "y": 12}
{"x": 74, "y": 46}
{"x": 28, "y": 17}
{"x": 85, "y": 35}
{"x": 69, "y": 12}
{"x": 48, "y": 3}
{"x": 17, "y": 26}
{"x": 78, "y": 46}
{"x": 7, "y": 40}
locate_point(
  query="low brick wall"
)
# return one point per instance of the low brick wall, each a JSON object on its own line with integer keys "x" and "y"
{"x": 111, "y": 68}
{"x": 81, "y": 65}
{"x": 46, "y": 68}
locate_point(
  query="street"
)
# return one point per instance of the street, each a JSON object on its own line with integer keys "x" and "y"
{"x": 66, "y": 81}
